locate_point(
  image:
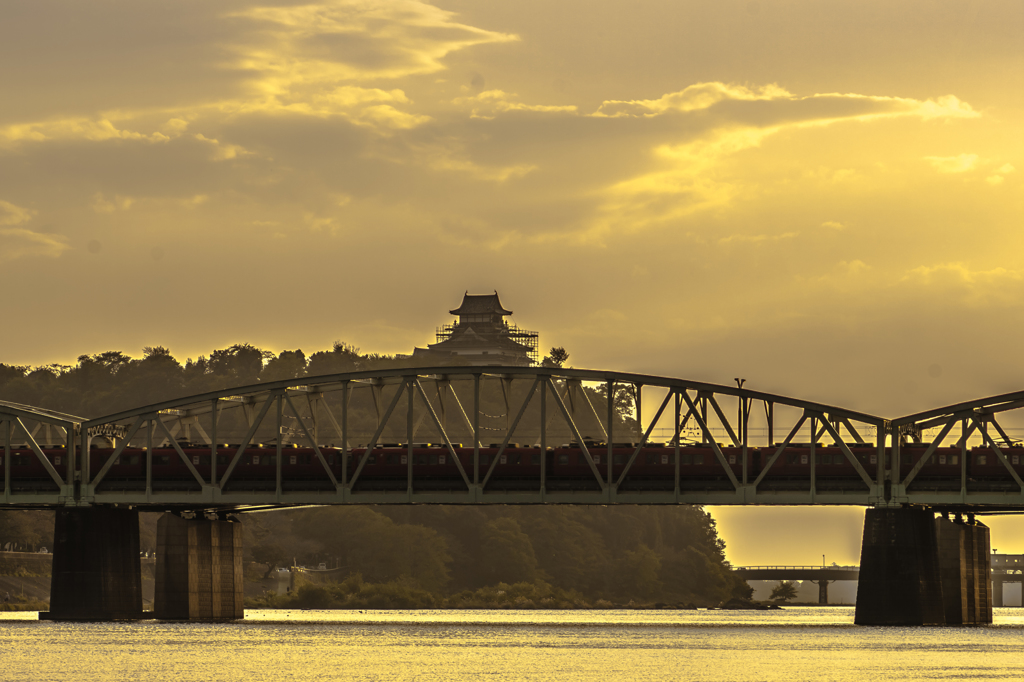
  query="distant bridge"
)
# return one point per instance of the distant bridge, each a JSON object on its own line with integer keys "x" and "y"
{"x": 812, "y": 573}
{"x": 172, "y": 455}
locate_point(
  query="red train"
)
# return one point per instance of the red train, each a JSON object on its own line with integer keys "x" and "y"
{"x": 519, "y": 468}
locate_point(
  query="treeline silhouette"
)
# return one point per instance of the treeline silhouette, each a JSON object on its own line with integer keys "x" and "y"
{"x": 409, "y": 556}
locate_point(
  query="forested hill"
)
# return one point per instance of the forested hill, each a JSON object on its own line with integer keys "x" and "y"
{"x": 617, "y": 555}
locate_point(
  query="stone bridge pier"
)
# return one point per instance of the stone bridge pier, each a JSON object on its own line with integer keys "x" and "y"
{"x": 97, "y": 571}
{"x": 916, "y": 569}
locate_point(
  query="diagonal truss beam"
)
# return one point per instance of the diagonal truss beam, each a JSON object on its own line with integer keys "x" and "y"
{"x": 39, "y": 454}
{"x": 117, "y": 451}
{"x": 930, "y": 451}
{"x": 312, "y": 441}
{"x": 253, "y": 426}
{"x": 778, "y": 451}
{"x": 721, "y": 416}
{"x": 376, "y": 434}
{"x": 444, "y": 434}
{"x": 576, "y": 434}
{"x": 643, "y": 439}
{"x": 181, "y": 453}
{"x": 999, "y": 453}
{"x": 711, "y": 440}
{"x": 834, "y": 433}
{"x": 511, "y": 430}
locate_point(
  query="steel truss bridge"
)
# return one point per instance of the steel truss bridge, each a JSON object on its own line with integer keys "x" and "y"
{"x": 304, "y": 412}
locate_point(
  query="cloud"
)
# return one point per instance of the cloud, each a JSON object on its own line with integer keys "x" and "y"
{"x": 834, "y": 225}
{"x": 100, "y": 204}
{"x": 756, "y": 238}
{"x": 996, "y": 178}
{"x": 953, "y": 164}
{"x": 691, "y": 98}
{"x": 14, "y": 215}
{"x": 959, "y": 273}
{"x": 491, "y": 102}
{"x": 20, "y": 242}
{"x": 221, "y": 151}
{"x": 688, "y": 176}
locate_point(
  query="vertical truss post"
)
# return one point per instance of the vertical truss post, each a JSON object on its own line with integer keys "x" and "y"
{"x": 769, "y": 413}
{"x": 280, "y": 427}
{"x": 678, "y": 410}
{"x": 880, "y": 456}
{"x": 69, "y": 472}
{"x": 964, "y": 435}
{"x": 894, "y": 466}
{"x": 611, "y": 421}
{"x": 86, "y": 461}
{"x": 149, "y": 457}
{"x": 638, "y": 390}
{"x": 706, "y": 433}
{"x": 7, "y": 459}
{"x": 344, "y": 432}
{"x": 409, "y": 427}
{"x": 213, "y": 441}
{"x": 476, "y": 429}
{"x": 745, "y": 415}
{"x": 543, "y": 437}
{"x": 506, "y": 392}
{"x": 813, "y": 458}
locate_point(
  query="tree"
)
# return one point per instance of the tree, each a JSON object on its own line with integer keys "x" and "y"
{"x": 783, "y": 592}
{"x": 556, "y": 357}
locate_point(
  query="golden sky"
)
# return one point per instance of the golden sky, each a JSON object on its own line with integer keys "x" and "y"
{"x": 824, "y": 198}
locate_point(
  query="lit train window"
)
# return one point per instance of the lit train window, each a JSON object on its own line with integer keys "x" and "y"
{"x": 664, "y": 459}
{"x": 195, "y": 459}
{"x": 597, "y": 459}
{"x": 56, "y": 460}
{"x": 732, "y": 459}
{"x": 982, "y": 459}
{"x": 441, "y": 459}
{"x": 954, "y": 459}
{"x": 405, "y": 459}
{"x": 803, "y": 459}
{"x": 504, "y": 459}
{"x": 942, "y": 459}
{"x": 873, "y": 459}
{"x": 292, "y": 459}
{"x": 1014, "y": 459}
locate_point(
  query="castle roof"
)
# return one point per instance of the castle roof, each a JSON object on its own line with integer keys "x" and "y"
{"x": 480, "y": 305}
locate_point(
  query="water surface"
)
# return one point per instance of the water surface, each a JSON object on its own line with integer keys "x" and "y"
{"x": 793, "y": 644}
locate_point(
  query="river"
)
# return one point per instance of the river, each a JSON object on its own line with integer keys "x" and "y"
{"x": 279, "y": 646}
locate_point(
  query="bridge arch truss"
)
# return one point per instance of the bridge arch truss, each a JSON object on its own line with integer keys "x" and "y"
{"x": 539, "y": 404}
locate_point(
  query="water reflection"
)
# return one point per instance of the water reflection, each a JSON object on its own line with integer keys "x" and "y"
{"x": 793, "y": 644}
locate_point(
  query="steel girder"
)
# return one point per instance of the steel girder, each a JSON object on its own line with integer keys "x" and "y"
{"x": 295, "y": 409}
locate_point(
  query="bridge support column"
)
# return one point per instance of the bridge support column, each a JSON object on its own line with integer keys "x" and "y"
{"x": 919, "y": 570}
{"x": 997, "y": 592}
{"x": 899, "y": 580}
{"x": 96, "y": 572}
{"x": 823, "y": 592}
{"x": 198, "y": 569}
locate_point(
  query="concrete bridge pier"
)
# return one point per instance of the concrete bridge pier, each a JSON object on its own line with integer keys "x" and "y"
{"x": 823, "y": 591}
{"x": 198, "y": 569}
{"x": 96, "y": 572}
{"x": 919, "y": 570}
